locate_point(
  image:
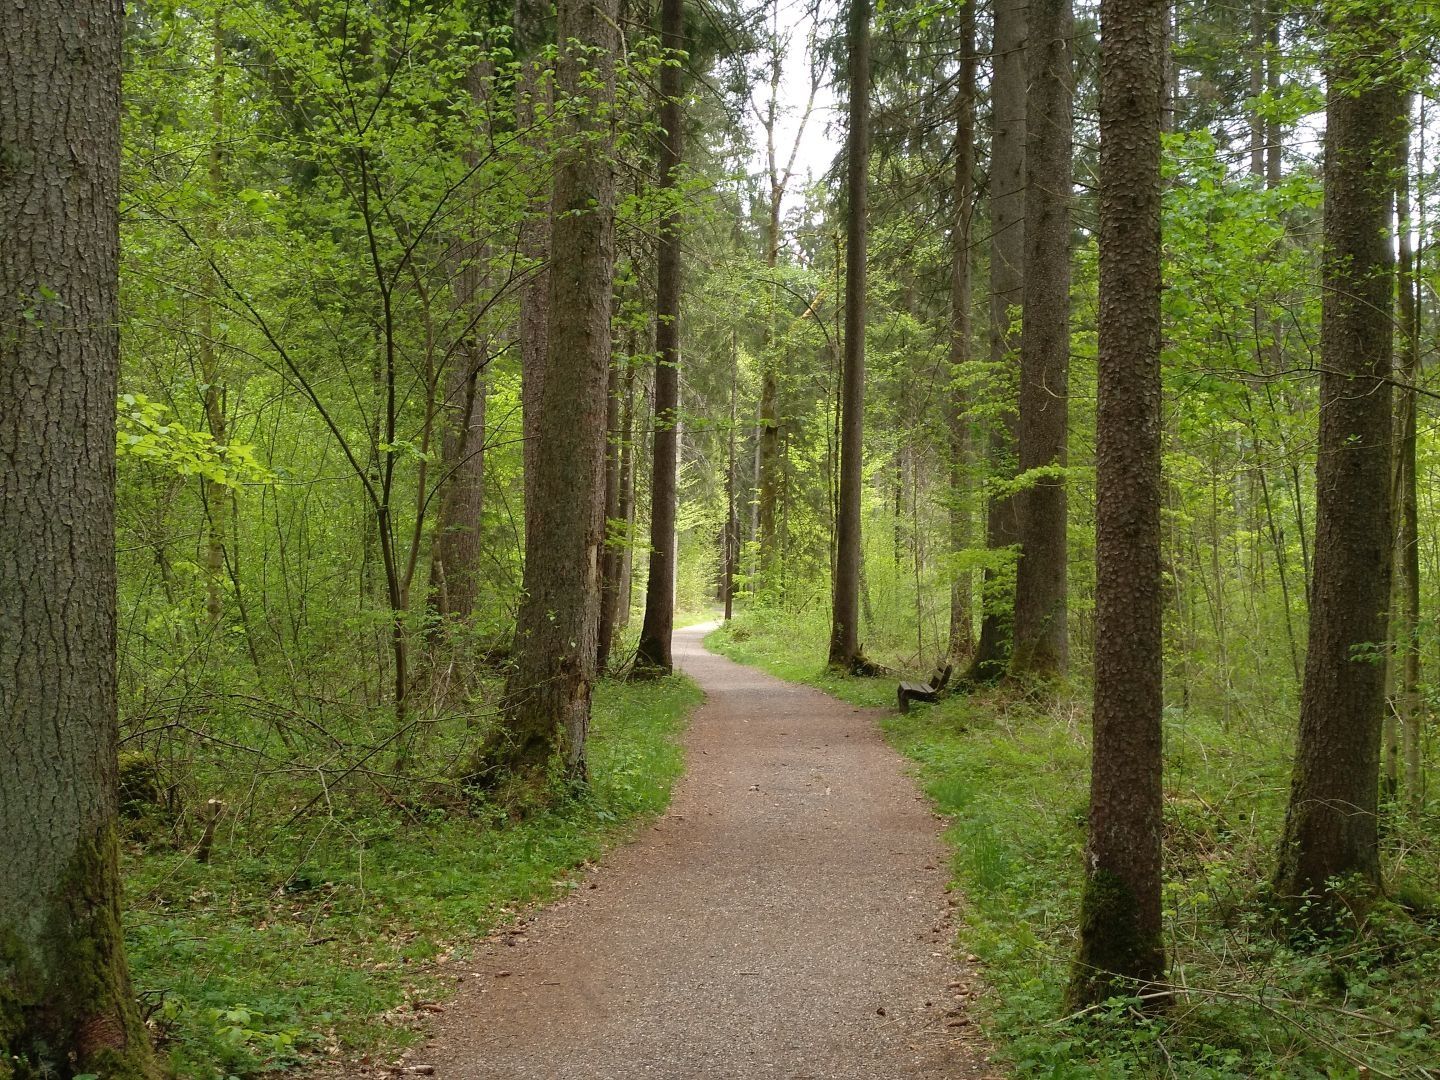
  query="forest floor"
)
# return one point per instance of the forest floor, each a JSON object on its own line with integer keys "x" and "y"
{"x": 787, "y": 917}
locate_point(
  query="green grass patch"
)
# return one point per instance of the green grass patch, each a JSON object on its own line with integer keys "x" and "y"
{"x": 1013, "y": 781}
{"x": 321, "y": 938}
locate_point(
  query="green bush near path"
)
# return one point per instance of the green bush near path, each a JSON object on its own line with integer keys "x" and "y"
{"x": 1013, "y": 781}
{"x": 329, "y": 939}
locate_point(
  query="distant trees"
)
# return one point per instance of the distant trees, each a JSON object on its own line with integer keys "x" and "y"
{"x": 66, "y": 1006}
{"x": 1120, "y": 931}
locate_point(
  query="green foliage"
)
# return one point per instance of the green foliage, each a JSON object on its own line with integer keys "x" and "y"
{"x": 144, "y": 434}
{"x": 311, "y": 938}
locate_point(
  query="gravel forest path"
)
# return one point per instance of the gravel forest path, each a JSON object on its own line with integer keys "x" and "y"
{"x": 787, "y": 918}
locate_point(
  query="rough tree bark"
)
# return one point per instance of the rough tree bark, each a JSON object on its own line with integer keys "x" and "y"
{"x": 65, "y": 999}
{"x": 1007, "y": 254}
{"x": 546, "y": 708}
{"x": 1121, "y": 948}
{"x": 845, "y": 613}
{"x": 1330, "y": 824}
{"x": 1041, "y": 642}
{"x": 653, "y": 654}
{"x": 962, "y": 630}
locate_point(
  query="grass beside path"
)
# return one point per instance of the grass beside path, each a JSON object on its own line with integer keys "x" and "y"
{"x": 1013, "y": 781}
{"x": 337, "y": 938}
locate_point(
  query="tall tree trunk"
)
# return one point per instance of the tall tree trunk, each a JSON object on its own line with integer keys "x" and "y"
{"x": 962, "y": 630}
{"x": 1041, "y": 642}
{"x": 1330, "y": 824}
{"x": 531, "y": 105}
{"x": 1121, "y": 947}
{"x": 1007, "y": 254}
{"x": 66, "y": 1005}
{"x": 655, "y": 632}
{"x": 1407, "y": 626}
{"x": 845, "y": 614}
{"x": 455, "y": 558}
{"x": 546, "y": 709}
{"x": 732, "y": 517}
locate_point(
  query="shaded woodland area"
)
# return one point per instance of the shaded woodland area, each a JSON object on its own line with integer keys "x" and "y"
{"x": 381, "y": 384}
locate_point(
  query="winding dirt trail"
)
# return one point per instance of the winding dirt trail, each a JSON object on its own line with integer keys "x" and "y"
{"x": 786, "y": 918}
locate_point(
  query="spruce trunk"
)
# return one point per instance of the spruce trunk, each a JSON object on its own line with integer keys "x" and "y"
{"x": 1121, "y": 949}
{"x": 1041, "y": 641}
{"x": 656, "y": 630}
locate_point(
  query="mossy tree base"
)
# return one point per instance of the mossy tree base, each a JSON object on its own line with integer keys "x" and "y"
{"x": 1118, "y": 956}
{"x": 66, "y": 1007}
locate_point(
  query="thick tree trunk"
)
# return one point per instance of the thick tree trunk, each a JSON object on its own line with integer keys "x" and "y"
{"x": 65, "y": 998}
{"x": 1007, "y": 254}
{"x": 1041, "y": 641}
{"x": 962, "y": 630}
{"x": 655, "y": 632}
{"x": 1330, "y": 825}
{"x": 1121, "y": 949}
{"x": 845, "y": 614}
{"x": 546, "y": 708}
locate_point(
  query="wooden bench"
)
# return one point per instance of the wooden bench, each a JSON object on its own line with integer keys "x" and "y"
{"x": 930, "y": 691}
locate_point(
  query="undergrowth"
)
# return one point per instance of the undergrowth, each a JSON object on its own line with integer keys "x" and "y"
{"x": 331, "y": 930}
{"x": 1012, "y": 779}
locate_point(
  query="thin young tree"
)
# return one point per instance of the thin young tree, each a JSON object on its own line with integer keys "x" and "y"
{"x": 546, "y": 709}
{"x": 66, "y": 1006}
{"x": 1007, "y": 256}
{"x": 1040, "y": 638}
{"x": 962, "y": 631}
{"x": 653, "y": 655}
{"x": 1120, "y": 924}
{"x": 1331, "y": 836}
{"x": 845, "y": 613}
